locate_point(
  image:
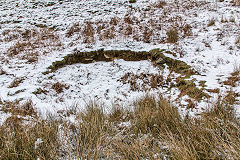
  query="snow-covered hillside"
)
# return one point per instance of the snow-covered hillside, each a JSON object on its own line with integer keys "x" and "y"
{"x": 36, "y": 33}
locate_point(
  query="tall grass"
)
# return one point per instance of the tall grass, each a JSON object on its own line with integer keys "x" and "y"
{"x": 154, "y": 129}
{"x": 19, "y": 141}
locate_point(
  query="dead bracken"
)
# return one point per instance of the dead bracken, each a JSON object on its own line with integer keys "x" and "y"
{"x": 58, "y": 87}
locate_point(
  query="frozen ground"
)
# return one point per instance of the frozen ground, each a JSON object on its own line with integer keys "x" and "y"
{"x": 35, "y": 33}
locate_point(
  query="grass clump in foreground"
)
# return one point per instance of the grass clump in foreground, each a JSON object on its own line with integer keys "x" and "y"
{"x": 154, "y": 129}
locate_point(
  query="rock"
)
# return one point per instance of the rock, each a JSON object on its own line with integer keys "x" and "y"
{"x": 160, "y": 61}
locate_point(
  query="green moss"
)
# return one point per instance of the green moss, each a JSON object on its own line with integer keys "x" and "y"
{"x": 202, "y": 83}
{"x": 39, "y": 91}
{"x": 173, "y": 64}
{"x": 188, "y": 87}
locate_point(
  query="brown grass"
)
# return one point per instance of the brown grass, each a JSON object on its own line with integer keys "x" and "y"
{"x": 236, "y": 2}
{"x": 18, "y": 140}
{"x": 16, "y": 82}
{"x": 159, "y": 4}
{"x": 16, "y": 108}
{"x": 28, "y": 42}
{"x": 148, "y": 27}
{"x": 59, "y": 87}
{"x": 172, "y": 35}
{"x": 233, "y": 80}
{"x": 211, "y": 22}
{"x": 2, "y": 71}
{"x": 154, "y": 129}
{"x": 73, "y": 29}
{"x": 142, "y": 81}
{"x": 237, "y": 42}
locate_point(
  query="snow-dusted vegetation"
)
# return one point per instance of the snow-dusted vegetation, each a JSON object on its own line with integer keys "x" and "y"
{"x": 119, "y": 79}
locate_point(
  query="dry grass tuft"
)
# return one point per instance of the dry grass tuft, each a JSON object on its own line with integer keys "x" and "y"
{"x": 59, "y": 87}
{"x": 211, "y": 22}
{"x": 155, "y": 117}
{"x": 2, "y": 72}
{"x": 73, "y": 29}
{"x": 16, "y": 82}
{"x": 172, "y": 35}
{"x": 187, "y": 30}
{"x": 208, "y": 137}
{"x": 146, "y": 27}
{"x": 237, "y": 42}
{"x": 88, "y": 33}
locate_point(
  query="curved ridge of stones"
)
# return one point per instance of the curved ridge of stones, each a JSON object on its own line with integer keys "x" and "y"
{"x": 156, "y": 56}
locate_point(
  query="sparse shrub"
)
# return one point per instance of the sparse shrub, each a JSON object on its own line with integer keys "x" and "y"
{"x": 2, "y": 71}
{"x": 211, "y": 22}
{"x": 172, "y": 35}
{"x": 187, "y": 29}
{"x": 73, "y": 29}
{"x": 58, "y": 87}
{"x": 147, "y": 35}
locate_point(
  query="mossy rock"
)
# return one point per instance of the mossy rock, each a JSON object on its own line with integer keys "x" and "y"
{"x": 132, "y": 1}
{"x": 156, "y": 55}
